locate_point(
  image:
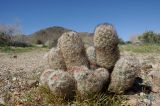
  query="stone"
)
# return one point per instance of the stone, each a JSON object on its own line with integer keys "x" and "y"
{"x": 32, "y": 83}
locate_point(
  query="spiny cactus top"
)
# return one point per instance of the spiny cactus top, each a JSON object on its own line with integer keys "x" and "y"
{"x": 70, "y": 41}
{"x": 72, "y": 49}
{"x": 105, "y": 36}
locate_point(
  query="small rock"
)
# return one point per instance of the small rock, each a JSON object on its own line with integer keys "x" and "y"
{"x": 132, "y": 102}
{"x": 32, "y": 83}
{"x": 2, "y": 103}
{"x": 148, "y": 102}
{"x": 156, "y": 102}
{"x": 14, "y": 79}
{"x": 155, "y": 89}
{"x": 142, "y": 94}
{"x": 155, "y": 77}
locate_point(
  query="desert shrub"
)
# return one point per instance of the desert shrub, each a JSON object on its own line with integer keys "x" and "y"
{"x": 4, "y": 39}
{"x": 19, "y": 44}
{"x": 150, "y": 37}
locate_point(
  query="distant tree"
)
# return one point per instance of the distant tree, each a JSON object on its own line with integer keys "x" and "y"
{"x": 10, "y": 29}
{"x": 11, "y": 35}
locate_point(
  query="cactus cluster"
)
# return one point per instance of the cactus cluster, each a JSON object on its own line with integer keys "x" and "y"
{"x": 88, "y": 71}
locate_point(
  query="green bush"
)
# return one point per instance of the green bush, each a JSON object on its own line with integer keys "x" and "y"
{"x": 150, "y": 37}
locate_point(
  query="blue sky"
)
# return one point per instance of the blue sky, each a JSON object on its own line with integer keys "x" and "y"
{"x": 130, "y": 17}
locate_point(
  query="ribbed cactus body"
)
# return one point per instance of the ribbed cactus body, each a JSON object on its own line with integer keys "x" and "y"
{"x": 124, "y": 74}
{"x": 91, "y": 82}
{"x": 72, "y": 49}
{"x": 105, "y": 42}
{"x": 62, "y": 84}
{"x": 44, "y": 76}
{"x": 55, "y": 59}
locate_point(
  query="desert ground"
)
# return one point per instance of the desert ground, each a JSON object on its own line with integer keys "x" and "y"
{"x": 20, "y": 71}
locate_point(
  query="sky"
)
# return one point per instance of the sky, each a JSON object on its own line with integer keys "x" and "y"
{"x": 129, "y": 17}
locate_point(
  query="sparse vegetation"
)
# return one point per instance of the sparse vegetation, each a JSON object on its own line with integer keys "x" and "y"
{"x": 145, "y": 48}
{"x": 150, "y": 37}
{"x": 10, "y": 50}
{"x": 42, "y": 96}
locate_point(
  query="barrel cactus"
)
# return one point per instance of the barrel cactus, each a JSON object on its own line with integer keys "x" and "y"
{"x": 55, "y": 59}
{"x": 124, "y": 74}
{"x": 44, "y": 76}
{"x": 72, "y": 49}
{"x": 62, "y": 84}
{"x": 91, "y": 82}
{"x": 106, "y": 45}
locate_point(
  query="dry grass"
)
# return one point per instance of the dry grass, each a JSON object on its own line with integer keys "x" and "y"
{"x": 42, "y": 96}
{"x": 145, "y": 48}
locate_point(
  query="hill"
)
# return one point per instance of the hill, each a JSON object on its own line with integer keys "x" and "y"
{"x": 49, "y": 36}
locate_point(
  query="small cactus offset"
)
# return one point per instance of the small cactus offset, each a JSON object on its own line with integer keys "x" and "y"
{"x": 90, "y": 82}
{"x": 44, "y": 76}
{"x": 91, "y": 54}
{"x": 72, "y": 49}
{"x": 124, "y": 74}
{"x": 105, "y": 42}
{"x": 55, "y": 59}
{"x": 62, "y": 84}
{"x": 105, "y": 36}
